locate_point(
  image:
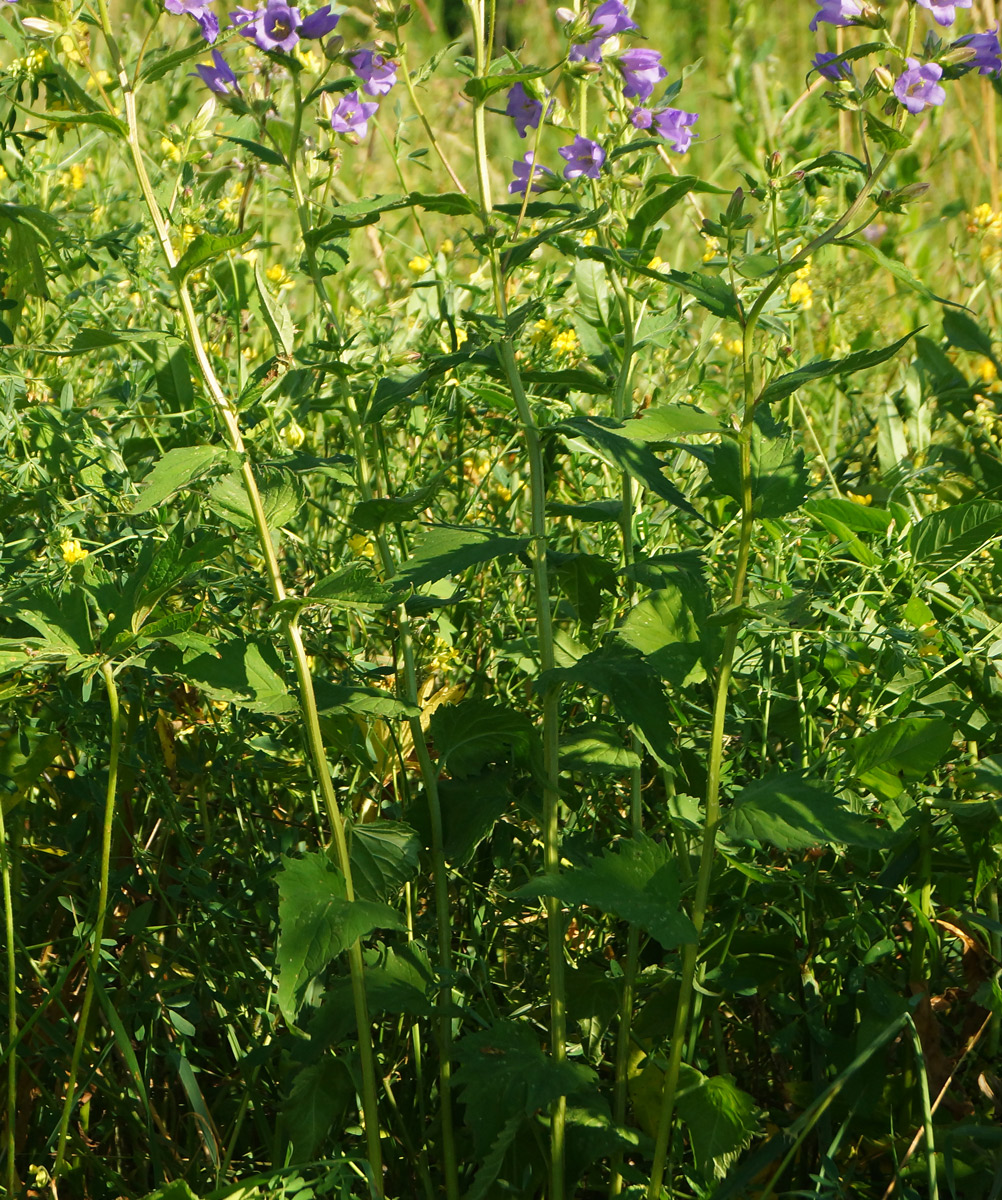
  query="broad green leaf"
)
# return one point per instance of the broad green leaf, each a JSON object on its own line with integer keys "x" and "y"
{"x": 611, "y": 446}
{"x": 482, "y": 87}
{"x": 86, "y": 340}
{"x": 596, "y": 749}
{"x": 276, "y": 315}
{"x": 372, "y": 515}
{"x": 156, "y": 64}
{"x": 444, "y": 550}
{"x": 859, "y": 518}
{"x": 23, "y": 758}
{"x": 895, "y": 267}
{"x": 659, "y": 205}
{"x": 779, "y": 478}
{"x": 665, "y": 422}
{"x": 317, "y": 923}
{"x": 943, "y": 539}
{"x": 264, "y": 153}
{"x": 177, "y": 469}
{"x": 470, "y": 810}
{"x": 792, "y": 815}
{"x": 665, "y": 630}
{"x": 103, "y": 120}
{"x": 62, "y": 621}
{"x": 965, "y": 333}
{"x": 905, "y": 750}
{"x": 503, "y": 1074}
{"x": 354, "y": 587}
{"x": 473, "y": 733}
{"x": 597, "y": 510}
{"x": 637, "y": 881}
{"x": 827, "y": 368}
{"x": 713, "y": 292}
{"x": 339, "y": 699}
{"x": 633, "y": 685}
{"x": 384, "y": 856}
{"x": 320, "y": 1095}
{"x": 279, "y": 494}
{"x": 248, "y": 674}
{"x": 204, "y": 248}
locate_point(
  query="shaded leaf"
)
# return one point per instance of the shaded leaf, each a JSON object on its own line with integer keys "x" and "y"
{"x": 473, "y": 733}
{"x": 827, "y": 368}
{"x": 177, "y": 469}
{"x": 792, "y": 815}
{"x": 384, "y": 856}
{"x": 444, "y": 550}
{"x": 904, "y": 750}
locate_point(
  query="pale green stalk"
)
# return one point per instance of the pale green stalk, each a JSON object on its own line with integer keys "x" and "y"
{"x": 429, "y": 776}
{"x": 290, "y": 628}
{"x": 8, "y": 918}
{"x": 94, "y": 959}
{"x": 711, "y": 820}
{"x": 544, "y": 620}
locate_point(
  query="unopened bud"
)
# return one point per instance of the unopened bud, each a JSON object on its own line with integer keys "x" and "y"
{"x": 584, "y": 68}
{"x": 884, "y": 78}
{"x": 327, "y": 106}
{"x": 959, "y": 54}
{"x": 773, "y": 163}
{"x": 333, "y": 47}
{"x": 565, "y": 15}
{"x": 41, "y": 25}
{"x": 870, "y": 17}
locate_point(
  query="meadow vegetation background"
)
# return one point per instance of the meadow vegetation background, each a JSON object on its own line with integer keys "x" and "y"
{"x": 500, "y": 656}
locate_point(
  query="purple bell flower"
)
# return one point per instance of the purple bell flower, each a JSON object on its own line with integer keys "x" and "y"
{"x": 987, "y": 51}
{"x": 377, "y": 74}
{"x": 352, "y": 115}
{"x": 642, "y": 71}
{"x": 523, "y": 109}
{"x": 583, "y": 157}
{"x": 218, "y": 77}
{"x": 675, "y": 126}
{"x": 944, "y": 12}
{"x": 607, "y": 20}
{"x": 522, "y": 169}
{"x": 828, "y": 69}
{"x": 918, "y": 87}
{"x": 200, "y": 12}
{"x": 836, "y": 12}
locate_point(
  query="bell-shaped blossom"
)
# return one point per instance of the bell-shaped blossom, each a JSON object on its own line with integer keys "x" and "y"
{"x": 642, "y": 71}
{"x": 609, "y": 19}
{"x": 279, "y": 26}
{"x": 829, "y": 69}
{"x": 836, "y": 12}
{"x": 944, "y": 12}
{"x": 377, "y": 73}
{"x": 200, "y": 12}
{"x": 918, "y": 87}
{"x": 218, "y": 77}
{"x": 352, "y": 115}
{"x": 522, "y": 169}
{"x": 987, "y": 51}
{"x": 583, "y": 157}
{"x": 524, "y": 110}
{"x": 675, "y": 126}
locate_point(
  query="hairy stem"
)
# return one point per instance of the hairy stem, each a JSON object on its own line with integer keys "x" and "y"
{"x": 6, "y": 870}
{"x": 94, "y": 959}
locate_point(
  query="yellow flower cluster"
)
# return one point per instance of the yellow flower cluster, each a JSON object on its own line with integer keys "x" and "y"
{"x": 361, "y": 547}
{"x": 229, "y": 202}
{"x": 986, "y": 221}
{"x": 541, "y": 331}
{"x": 281, "y": 278}
{"x": 589, "y": 237}
{"x": 711, "y": 247}
{"x": 75, "y": 178}
{"x": 565, "y": 343}
{"x": 72, "y": 551}
{"x": 800, "y": 295}
{"x": 444, "y": 657}
{"x": 419, "y": 264}
{"x": 734, "y": 346}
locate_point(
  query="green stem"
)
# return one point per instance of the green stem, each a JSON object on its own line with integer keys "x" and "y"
{"x": 6, "y": 871}
{"x": 94, "y": 960}
{"x": 228, "y": 417}
{"x": 711, "y": 823}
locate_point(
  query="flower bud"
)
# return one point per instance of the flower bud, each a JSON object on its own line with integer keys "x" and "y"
{"x": 884, "y": 78}
{"x": 41, "y": 25}
{"x": 959, "y": 54}
{"x": 870, "y": 17}
{"x": 580, "y": 69}
{"x": 333, "y": 47}
{"x": 564, "y": 15}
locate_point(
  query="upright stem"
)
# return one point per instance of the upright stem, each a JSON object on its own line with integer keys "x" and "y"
{"x": 711, "y": 820}
{"x": 6, "y": 870}
{"x": 225, "y": 411}
{"x": 94, "y": 959}
{"x": 544, "y": 622}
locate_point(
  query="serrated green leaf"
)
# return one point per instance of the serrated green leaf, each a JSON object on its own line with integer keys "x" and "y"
{"x": 904, "y": 750}
{"x": 320, "y": 1095}
{"x": 596, "y": 749}
{"x": 279, "y": 494}
{"x": 788, "y": 813}
{"x": 827, "y": 368}
{"x": 384, "y": 856}
{"x": 943, "y": 539}
{"x": 444, "y": 550}
{"x": 317, "y": 923}
{"x": 177, "y": 469}
{"x": 637, "y": 882}
{"x": 473, "y": 733}
{"x": 204, "y": 249}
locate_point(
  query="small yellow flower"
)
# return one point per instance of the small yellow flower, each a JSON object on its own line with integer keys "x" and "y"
{"x": 3, "y": 173}
{"x": 500, "y": 495}
{"x": 72, "y": 551}
{"x": 565, "y": 343}
{"x": 444, "y": 657}
{"x": 803, "y": 272}
{"x": 987, "y": 370}
{"x": 169, "y": 150}
{"x": 541, "y": 331}
{"x": 419, "y": 264}
{"x": 800, "y": 294}
{"x": 734, "y": 346}
{"x": 859, "y": 499}
{"x": 986, "y": 221}
{"x": 278, "y": 275}
{"x": 361, "y": 547}
{"x": 306, "y": 58}
{"x": 447, "y": 246}
{"x": 711, "y": 248}
{"x": 717, "y": 338}
{"x": 656, "y": 263}
{"x": 293, "y": 434}
{"x": 589, "y": 237}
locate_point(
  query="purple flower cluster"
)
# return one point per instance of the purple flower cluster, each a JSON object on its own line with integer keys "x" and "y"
{"x": 583, "y": 157}
{"x": 607, "y": 20}
{"x": 642, "y": 71}
{"x": 377, "y": 74}
{"x": 673, "y": 124}
{"x": 836, "y": 12}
